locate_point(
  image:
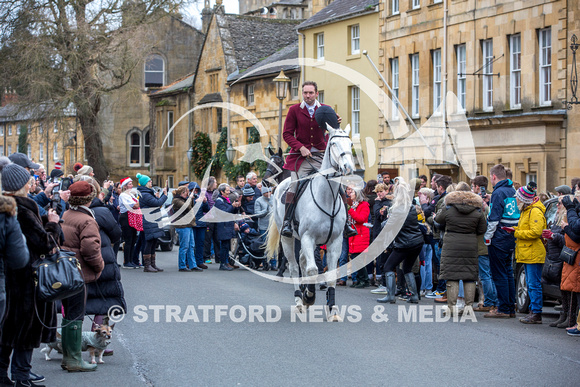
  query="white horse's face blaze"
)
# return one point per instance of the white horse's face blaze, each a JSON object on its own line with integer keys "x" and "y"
{"x": 340, "y": 147}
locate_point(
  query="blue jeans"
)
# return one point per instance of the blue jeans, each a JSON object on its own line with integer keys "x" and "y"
{"x": 343, "y": 259}
{"x": 199, "y": 238}
{"x": 534, "y": 282}
{"x": 186, "y": 247}
{"x": 502, "y": 273}
{"x": 441, "y": 284}
{"x": 427, "y": 270}
{"x": 489, "y": 292}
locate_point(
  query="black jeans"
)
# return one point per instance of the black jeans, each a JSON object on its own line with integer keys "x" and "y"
{"x": 211, "y": 236}
{"x": 407, "y": 256}
{"x": 150, "y": 247}
{"x": 224, "y": 251}
{"x": 21, "y": 362}
{"x": 74, "y": 306}
{"x": 129, "y": 236}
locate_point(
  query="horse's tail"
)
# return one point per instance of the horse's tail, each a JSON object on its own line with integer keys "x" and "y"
{"x": 273, "y": 238}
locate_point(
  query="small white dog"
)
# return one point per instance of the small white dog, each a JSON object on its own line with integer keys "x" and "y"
{"x": 95, "y": 342}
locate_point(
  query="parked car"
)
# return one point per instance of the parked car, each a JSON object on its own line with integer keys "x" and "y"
{"x": 169, "y": 238}
{"x": 551, "y": 291}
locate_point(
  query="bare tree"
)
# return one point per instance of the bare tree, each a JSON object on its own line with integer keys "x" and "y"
{"x": 63, "y": 52}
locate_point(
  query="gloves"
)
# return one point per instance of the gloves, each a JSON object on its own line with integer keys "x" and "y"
{"x": 547, "y": 234}
{"x": 566, "y": 202}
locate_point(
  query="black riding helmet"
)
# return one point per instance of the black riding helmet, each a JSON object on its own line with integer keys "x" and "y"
{"x": 326, "y": 115}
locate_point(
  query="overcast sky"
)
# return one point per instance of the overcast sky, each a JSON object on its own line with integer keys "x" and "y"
{"x": 193, "y": 12}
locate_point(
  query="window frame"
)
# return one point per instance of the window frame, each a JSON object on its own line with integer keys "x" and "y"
{"x": 415, "y": 4}
{"x": 251, "y": 96}
{"x": 145, "y": 71}
{"x": 437, "y": 83}
{"x": 29, "y": 151}
{"x": 295, "y": 88}
{"x": 415, "y": 82}
{"x": 170, "y": 123}
{"x": 55, "y": 151}
{"x": 515, "y": 72}
{"x": 40, "y": 151}
{"x": 395, "y": 9}
{"x": 355, "y": 39}
{"x": 395, "y": 87}
{"x": 139, "y": 147}
{"x": 355, "y": 110}
{"x": 487, "y": 71}
{"x": 320, "y": 46}
{"x": 545, "y": 77}
{"x": 461, "y": 55}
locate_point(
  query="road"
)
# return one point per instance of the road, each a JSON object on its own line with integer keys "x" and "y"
{"x": 284, "y": 351}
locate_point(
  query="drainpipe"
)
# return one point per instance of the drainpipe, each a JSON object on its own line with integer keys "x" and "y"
{"x": 444, "y": 59}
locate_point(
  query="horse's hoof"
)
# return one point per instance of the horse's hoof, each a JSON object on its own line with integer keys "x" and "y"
{"x": 335, "y": 318}
{"x": 300, "y": 309}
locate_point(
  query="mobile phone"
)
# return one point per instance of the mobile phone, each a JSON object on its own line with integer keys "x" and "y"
{"x": 482, "y": 192}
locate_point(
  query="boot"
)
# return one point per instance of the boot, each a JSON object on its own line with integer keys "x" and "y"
{"x": 147, "y": 264}
{"x": 452, "y": 293}
{"x": 564, "y": 320}
{"x": 390, "y": 283}
{"x": 282, "y": 267}
{"x": 532, "y": 318}
{"x": 349, "y": 231}
{"x": 72, "y": 334}
{"x": 412, "y": 286}
{"x": 469, "y": 290}
{"x": 153, "y": 263}
{"x": 288, "y": 215}
{"x": 362, "y": 278}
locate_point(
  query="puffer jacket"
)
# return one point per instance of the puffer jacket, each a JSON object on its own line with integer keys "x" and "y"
{"x": 147, "y": 202}
{"x": 81, "y": 236}
{"x": 360, "y": 215}
{"x": 463, "y": 220}
{"x": 552, "y": 270}
{"x": 410, "y": 234}
{"x": 13, "y": 250}
{"x": 528, "y": 234}
{"x": 571, "y": 273}
{"x": 225, "y": 230}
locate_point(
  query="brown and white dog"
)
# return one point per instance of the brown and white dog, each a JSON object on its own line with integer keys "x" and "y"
{"x": 95, "y": 342}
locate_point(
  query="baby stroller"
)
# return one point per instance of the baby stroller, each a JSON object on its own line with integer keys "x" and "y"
{"x": 251, "y": 251}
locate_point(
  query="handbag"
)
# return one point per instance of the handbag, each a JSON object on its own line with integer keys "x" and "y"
{"x": 135, "y": 218}
{"x": 58, "y": 276}
{"x": 568, "y": 255}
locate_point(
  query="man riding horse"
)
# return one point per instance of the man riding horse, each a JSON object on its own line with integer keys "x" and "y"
{"x": 304, "y": 131}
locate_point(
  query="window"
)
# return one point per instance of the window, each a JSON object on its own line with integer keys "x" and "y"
{"x": 55, "y": 151}
{"x": 154, "y": 71}
{"x": 40, "y": 128}
{"x": 395, "y": 7}
{"x": 55, "y": 127}
{"x": 355, "y": 40}
{"x": 146, "y": 148}
{"x": 170, "y": 137}
{"x": 135, "y": 149}
{"x": 170, "y": 180}
{"x": 416, "y": 4}
{"x": 18, "y": 130}
{"x": 294, "y": 88}
{"x": 320, "y": 46}
{"x": 436, "y": 79}
{"x": 355, "y": 109}
{"x": 415, "y": 85}
{"x": 29, "y": 151}
{"x": 41, "y": 151}
{"x": 213, "y": 81}
{"x": 10, "y": 130}
{"x": 321, "y": 96}
{"x": 461, "y": 77}
{"x": 395, "y": 87}
{"x": 2, "y": 131}
{"x": 487, "y": 47}
{"x": 545, "y": 41}
{"x": 2, "y": 150}
{"x": 251, "y": 99}
{"x": 9, "y": 150}
{"x": 515, "y": 72}
{"x": 531, "y": 177}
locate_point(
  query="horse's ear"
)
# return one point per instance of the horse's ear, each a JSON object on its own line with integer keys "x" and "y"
{"x": 280, "y": 152}
{"x": 270, "y": 151}
{"x": 347, "y": 129}
{"x": 330, "y": 129}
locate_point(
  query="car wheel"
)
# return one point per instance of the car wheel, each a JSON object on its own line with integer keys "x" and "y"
{"x": 522, "y": 296}
{"x": 166, "y": 246}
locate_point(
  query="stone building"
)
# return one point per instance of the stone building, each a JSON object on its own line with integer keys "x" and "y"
{"x": 128, "y": 138}
{"x": 233, "y": 44}
{"x": 282, "y": 9}
{"x": 51, "y": 137}
{"x": 334, "y": 40}
{"x": 508, "y": 63}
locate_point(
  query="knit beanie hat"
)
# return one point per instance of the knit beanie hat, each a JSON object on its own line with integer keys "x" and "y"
{"x": 248, "y": 191}
{"x": 56, "y": 173}
{"x": 81, "y": 193}
{"x": 526, "y": 194}
{"x": 266, "y": 189}
{"x": 86, "y": 170}
{"x": 143, "y": 179}
{"x": 14, "y": 177}
{"x": 77, "y": 167}
{"x": 244, "y": 227}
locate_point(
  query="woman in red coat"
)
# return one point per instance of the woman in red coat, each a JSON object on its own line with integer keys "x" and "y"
{"x": 358, "y": 215}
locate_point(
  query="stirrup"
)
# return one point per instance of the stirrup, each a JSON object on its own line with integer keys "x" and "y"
{"x": 287, "y": 229}
{"x": 349, "y": 231}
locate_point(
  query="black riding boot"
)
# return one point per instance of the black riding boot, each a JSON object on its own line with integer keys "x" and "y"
{"x": 288, "y": 215}
{"x": 349, "y": 231}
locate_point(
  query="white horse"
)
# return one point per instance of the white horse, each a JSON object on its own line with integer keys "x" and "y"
{"x": 321, "y": 216}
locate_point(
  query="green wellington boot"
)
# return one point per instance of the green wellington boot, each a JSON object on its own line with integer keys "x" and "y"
{"x": 72, "y": 360}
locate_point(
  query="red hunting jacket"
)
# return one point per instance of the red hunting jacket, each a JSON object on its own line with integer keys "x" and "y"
{"x": 301, "y": 130}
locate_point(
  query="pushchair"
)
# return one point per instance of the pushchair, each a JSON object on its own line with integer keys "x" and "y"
{"x": 251, "y": 251}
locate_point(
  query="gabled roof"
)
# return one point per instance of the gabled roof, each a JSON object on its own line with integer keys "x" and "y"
{"x": 180, "y": 85}
{"x": 340, "y": 9}
{"x": 21, "y": 112}
{"x": 289, "y": 2}
{"x": 246, "y": 39}
{"x": 288, "y": 53}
